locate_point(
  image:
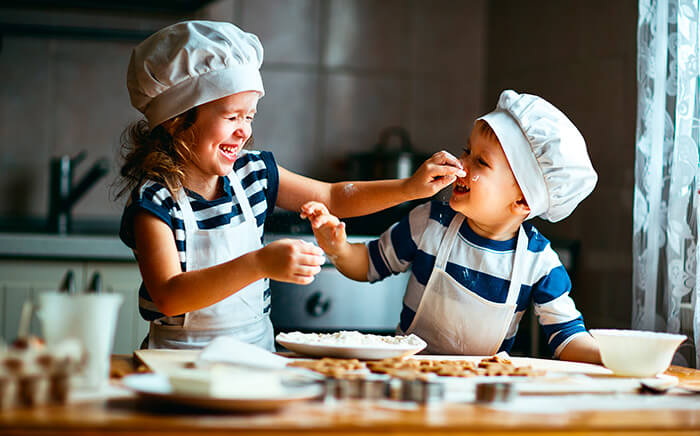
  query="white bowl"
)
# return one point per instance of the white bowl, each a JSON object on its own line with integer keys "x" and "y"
{"x": 636, "y": 353}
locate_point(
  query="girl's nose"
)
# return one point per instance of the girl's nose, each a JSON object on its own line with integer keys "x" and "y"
{"x": 242, "y": 131}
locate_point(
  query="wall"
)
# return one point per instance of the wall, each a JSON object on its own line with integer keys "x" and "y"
{"x": 581, "y": 56}
{"x": 335, "y": 72}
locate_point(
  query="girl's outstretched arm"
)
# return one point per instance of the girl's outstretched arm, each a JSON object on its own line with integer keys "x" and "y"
{"x": 175, "y": 292}
{"x": 348, "y": 199}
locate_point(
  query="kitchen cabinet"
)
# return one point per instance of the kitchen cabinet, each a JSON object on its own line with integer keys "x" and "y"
{"x": 21, "y": 280}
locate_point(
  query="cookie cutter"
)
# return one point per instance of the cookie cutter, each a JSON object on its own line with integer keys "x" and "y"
{"x": 495, "y": 392}
{"x": 423, "y": 391}
{"x": 366, "y": 386}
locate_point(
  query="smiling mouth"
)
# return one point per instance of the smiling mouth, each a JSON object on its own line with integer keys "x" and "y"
{"x": 461, "y": 188}
{"x": 228, "y": 149}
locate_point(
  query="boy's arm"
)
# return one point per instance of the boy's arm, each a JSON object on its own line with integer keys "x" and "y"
{"x": 582, "y": 348}
{"x": 352, "y": 260}
{"x": 348, "y": 199}
{"x": 557, "y": 313}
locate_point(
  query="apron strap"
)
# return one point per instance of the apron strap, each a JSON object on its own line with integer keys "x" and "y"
{"x": 241, "y": 196}
{"x": 516, "y": 277}
{"x": 187, "y": 214}
{"x": 448, "y": 241}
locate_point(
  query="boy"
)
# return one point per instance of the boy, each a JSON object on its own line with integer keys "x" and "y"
{"x": 476, "y": 264}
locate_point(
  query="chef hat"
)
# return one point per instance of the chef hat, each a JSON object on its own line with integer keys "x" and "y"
{"x": 546, "y": 153}
{"x": 191, "y": 63}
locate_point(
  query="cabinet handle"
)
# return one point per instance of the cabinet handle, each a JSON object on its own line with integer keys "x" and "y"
{"x": 95, "y": 283}
{"x": 67, "y": 285}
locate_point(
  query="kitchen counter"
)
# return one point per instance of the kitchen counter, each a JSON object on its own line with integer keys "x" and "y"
{"x": 63, "y": 247}
{"x": 126, "y": 415}
{"x": 91, "y": 247}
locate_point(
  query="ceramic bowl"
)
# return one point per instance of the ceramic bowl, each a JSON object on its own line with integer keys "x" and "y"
{"x": 636, "y": 353}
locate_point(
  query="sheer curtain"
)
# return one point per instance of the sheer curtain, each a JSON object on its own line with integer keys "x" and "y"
{"x": 666, "y": 198}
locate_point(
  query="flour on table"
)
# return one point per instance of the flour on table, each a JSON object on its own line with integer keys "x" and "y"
{"x": 350, "y": 338}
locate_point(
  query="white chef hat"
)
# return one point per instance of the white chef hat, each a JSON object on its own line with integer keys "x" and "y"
{"x": 546, "y": 153}
{"x": 190, "y": 63}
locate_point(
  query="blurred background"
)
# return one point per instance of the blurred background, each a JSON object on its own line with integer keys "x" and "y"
{"x": 338, "y": 73}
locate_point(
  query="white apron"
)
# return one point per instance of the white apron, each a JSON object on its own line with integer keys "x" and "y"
{"x": 239, "y": 315}
{"x": 454, "y": 320}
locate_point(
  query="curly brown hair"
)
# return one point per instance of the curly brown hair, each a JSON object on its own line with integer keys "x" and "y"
{"x": 159, "y": 153}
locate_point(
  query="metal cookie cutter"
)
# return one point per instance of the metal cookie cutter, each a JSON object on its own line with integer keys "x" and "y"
{"x": 365, "y": 386}
{"x": 421, "y": 391}
{"x": 495, "y": 392}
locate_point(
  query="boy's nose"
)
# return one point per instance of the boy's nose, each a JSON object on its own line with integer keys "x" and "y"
{"x": 465, "y": 164}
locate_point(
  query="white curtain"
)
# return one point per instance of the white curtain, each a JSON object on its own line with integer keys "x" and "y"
{"x": 666, "y": 197}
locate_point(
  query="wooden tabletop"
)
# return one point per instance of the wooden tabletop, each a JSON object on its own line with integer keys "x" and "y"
{"x": 127, "y": 415}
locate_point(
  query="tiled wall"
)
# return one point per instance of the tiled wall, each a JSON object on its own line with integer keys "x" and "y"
{"x": 581, "y": 56}
{"x": 336, "y": 72}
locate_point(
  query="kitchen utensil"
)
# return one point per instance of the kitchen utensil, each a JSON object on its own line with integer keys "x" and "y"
{"x": 90, "y": 318}
{"x": 421, "y": 391}
{"x": 495, "y": 392}
{"x": 636, "y": 353}
{"x": 664, "y": 385}
{"x": 387, "y": 159}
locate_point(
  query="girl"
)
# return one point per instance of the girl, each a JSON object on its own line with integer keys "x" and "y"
{"x": 199, "y": 199}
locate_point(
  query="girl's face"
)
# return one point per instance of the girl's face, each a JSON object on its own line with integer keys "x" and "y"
{"x": 222, "y": 128}
{"x": 489, "y": 189}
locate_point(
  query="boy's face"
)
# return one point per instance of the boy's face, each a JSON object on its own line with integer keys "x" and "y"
{"x": 489, "y": 194}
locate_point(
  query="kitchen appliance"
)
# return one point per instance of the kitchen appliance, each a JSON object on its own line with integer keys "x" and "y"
{"x": 334, "y": 302}
{"x": 393, "y": 157}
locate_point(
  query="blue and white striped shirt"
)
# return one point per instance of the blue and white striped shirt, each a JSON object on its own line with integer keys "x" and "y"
{"x": 483, "y": 266}
{"x": 259, "y": 177}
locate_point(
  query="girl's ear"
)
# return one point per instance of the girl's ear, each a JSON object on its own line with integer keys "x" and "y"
{"x": 520, "y": 207}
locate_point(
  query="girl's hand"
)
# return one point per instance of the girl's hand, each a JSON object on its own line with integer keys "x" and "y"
{"x": 291, "y": 260}
{"x": 328, "y": 229}
{"x": 435, "y": 174}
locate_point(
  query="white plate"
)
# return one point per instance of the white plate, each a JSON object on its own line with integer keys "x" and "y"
{"x": 156, "y": 387}
{"x": 363, "y": 352}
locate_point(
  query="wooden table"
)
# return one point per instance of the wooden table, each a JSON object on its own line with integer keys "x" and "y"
{"x": 128, "y": 416}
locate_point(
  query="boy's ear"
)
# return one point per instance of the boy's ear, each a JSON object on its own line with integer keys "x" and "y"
{"x": 520, "y": 207}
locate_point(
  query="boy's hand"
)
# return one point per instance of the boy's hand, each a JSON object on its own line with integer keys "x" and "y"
{"x": 434, "y": 174}
{"x": 291, "y": 260}
{"x": 328, "y": 229}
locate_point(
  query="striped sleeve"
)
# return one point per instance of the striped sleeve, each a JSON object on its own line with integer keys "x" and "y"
{"x": 555, "y": 309}
{"x": 153, "y": 198}
{"x": 397, "y": 247}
